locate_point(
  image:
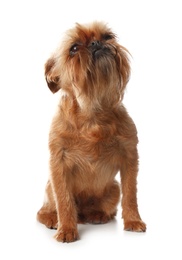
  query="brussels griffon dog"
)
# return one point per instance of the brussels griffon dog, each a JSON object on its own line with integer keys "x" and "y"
{"x": 92, "y": 137}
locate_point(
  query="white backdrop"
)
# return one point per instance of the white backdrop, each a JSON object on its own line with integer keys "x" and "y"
{"x": 29, "y": 32}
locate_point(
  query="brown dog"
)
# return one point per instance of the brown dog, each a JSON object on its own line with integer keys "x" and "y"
{"x": 92, "y": 136}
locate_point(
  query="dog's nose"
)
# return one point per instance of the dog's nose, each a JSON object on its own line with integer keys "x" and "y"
{"x": 96, "y": 44}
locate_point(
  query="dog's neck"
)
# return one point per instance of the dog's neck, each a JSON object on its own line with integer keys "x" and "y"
{"x": 90, "y": 107}
{"x": 100, "y": 102}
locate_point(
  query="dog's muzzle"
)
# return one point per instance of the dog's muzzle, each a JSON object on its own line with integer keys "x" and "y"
{"x": 98, "y": 49}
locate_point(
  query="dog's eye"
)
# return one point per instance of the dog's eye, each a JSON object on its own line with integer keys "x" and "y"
{"x": 107, "y": 37}
{"x": 74, "y": 49}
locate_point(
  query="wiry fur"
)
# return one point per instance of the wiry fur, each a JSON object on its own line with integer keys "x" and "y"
{"x": 92, "y": 136}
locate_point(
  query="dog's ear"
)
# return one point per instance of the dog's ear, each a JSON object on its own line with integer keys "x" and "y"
{"x": 124, "y": 66}
{"x": 53, "y": 81}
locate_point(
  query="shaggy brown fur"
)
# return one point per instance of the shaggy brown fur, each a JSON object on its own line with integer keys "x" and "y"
{"x": 92, "y": 136}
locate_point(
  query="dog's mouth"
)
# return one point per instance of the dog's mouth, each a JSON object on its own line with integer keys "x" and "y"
{"x": 98, "y": 49}
{"x": 101, "y": 52}
{"x": 97, "y": 53}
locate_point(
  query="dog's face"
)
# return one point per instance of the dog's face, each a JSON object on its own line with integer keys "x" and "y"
{"x": 90, "y": 64}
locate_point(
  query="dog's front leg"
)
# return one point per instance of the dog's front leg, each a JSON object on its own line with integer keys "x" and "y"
{"x": 65, "y": 204}
{"x": 130, "y": 214}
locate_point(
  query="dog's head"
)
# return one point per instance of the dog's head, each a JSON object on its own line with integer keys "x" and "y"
{"x": 90, "y": 63}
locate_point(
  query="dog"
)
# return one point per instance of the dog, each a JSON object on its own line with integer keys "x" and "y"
{"x": 92, "y": 137}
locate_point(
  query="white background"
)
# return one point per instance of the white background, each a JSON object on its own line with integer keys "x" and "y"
{"x": 29, "y": 32}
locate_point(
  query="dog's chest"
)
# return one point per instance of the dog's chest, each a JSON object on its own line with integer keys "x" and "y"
{"x": 100, "y": 141}
{"x": 97, "y": 145}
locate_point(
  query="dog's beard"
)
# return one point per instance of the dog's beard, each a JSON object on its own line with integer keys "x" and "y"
{"x": 96, "y": 79}
{"x": 104, "y": 66}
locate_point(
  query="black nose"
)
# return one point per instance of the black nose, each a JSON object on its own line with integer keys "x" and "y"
{"x": 96, "y": 48}
{"x": 96, "y": 44}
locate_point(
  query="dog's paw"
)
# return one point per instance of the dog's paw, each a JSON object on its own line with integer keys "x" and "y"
{"x": 136, "y": 226}
{"x": 49, "y": 219}
{"x": 67, "y": 235}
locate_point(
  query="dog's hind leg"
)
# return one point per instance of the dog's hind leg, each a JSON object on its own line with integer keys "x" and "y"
{"x": 47, "y": 215}
{"x": 99, "y": 209}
